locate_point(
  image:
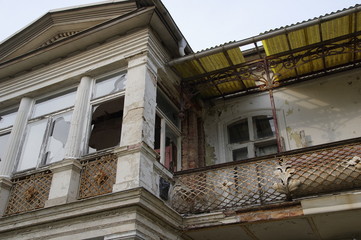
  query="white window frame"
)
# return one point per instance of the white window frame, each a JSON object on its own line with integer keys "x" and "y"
{"x": 7, "y": 130}
{"x": 166, "y": 122}
{"x": 99, "y": 100}
{"x": 41, "y": 161}
{"x": 226, "y": 149}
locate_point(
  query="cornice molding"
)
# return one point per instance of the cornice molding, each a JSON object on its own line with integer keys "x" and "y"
{"x": 73, "y": 18}
{"x": 137, "y": 199}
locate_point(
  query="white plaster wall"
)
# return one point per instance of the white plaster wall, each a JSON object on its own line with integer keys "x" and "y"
{"x": 224, "y": 112}
{"x": 327, "y": 109}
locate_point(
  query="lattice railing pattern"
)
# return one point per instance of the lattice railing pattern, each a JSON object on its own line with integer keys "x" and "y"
{"x": 29, "y": 193}
{"x": 269, "y": 181}
{"x": 327, "y": 170}
{"x": 97, "y": 176}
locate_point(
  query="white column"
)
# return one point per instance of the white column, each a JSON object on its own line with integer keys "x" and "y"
{"x": 8, "y": 163}
{"x": 135, "y": 166}
{"x": 66, "y": 173}
{"x": 65, "y": 182}
{"x": 139, "y": 103}
{"x": 75, "y": 142}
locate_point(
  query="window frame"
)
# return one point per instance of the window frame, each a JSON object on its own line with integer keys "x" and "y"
{"x": 7, "y": 130}
{"x": 96, "y": 101}
{"x": 252, "y": 143}
{"x": 166, "y": 122}
{"x": 226, "y": 149}
{"x": 42, "y": 159}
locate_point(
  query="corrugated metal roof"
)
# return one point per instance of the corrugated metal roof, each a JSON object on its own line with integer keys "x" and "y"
{"x": 291, "y": 53}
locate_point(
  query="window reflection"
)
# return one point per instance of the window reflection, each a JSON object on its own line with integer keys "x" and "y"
{"x": 110, "y": 85}
{"x": 32, "y": 145}
{"x": 54, "y": 104}
{"x": 3, "y": 145}
{"x": 7, "y": 119}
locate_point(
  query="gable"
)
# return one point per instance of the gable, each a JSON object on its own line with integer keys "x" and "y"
{"x": 61, "y": 24}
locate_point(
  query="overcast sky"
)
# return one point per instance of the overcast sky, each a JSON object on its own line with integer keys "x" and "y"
{"x": 204, "y": 23}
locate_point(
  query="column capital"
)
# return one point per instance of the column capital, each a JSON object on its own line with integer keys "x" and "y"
{"x": 5, "y": 183}
{"x": 65, "y": 165}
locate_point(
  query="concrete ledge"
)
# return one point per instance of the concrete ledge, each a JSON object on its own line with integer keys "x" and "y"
{"x": 138, "y": 197}
{"x": 334, "y": 203}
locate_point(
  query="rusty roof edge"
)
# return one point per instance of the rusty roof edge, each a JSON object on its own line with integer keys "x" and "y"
{"x": 264, "y": 36}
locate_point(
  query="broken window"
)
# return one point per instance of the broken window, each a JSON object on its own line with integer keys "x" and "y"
{"x": 7, "y": 119}
{"x": 109, "y": 85}
{"x": 107, "y": 112}
{"x": 47, "y": 131}
{"x": 167, "y": 133}
{"x": 106, "y": 125}
{"x": 252, "y": 137}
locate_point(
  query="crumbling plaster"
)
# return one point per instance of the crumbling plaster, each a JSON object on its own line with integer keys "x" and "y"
{"x": 321, "y": 110}
{"x": 310, "y": 113}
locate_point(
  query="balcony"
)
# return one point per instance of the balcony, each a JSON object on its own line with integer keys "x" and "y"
{"x": 283, "y": 178}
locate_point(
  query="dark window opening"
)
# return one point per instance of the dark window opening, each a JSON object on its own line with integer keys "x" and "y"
{"x": 238, "y": 132}
{"x": 106, "y": 125}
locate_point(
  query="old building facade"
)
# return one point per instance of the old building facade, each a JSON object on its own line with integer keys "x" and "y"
{"x": 113, "y": 128}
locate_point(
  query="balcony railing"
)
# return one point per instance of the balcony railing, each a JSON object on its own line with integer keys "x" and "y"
{"x": 281, "y": 178}
{"x": 29, "y": 193}
{"x": 97, "y": 176}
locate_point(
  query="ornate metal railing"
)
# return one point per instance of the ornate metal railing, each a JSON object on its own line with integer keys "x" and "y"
{"x": 29, "y": 193}
{"x": 266, "y": 181}
{"x": 97, "y": 176}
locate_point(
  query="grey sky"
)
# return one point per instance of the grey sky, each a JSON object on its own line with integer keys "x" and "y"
{"x": 204, "y": 23}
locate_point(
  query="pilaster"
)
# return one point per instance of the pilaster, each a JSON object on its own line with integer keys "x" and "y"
{"x": 5, "y": 187}
{"x": 65, "y": 182}
{"x": 140, "y": 102}
{"x": 9, "y": 161}
{"x": 75, "y": 141}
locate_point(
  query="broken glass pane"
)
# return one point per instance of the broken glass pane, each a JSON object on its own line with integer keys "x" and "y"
{"x": 54, "y": 104}
{"x": 7, "y": 119}
{"x": 3, "y": 145}
{"x": 58, "y": 136}
{"x": 32, "y": 145}
{"x": 263, "y": 126}
{"x": 110, "y": 85}
{"x": 238, "y": 132}
{"x": 106, "y": 125}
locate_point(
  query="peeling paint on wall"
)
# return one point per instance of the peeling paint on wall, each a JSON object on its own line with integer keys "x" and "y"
{"x": 289, "y": 112}
{"x": 298, "y": 138}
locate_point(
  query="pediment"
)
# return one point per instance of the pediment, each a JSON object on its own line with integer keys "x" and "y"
{"x": 61, "y": 24}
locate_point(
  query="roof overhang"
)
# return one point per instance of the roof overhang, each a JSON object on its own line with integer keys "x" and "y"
{"x": 24, "y": 55}
{"x": 290, "y": 54}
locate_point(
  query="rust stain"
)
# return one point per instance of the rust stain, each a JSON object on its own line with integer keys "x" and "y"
{"x": 271, "y": 214}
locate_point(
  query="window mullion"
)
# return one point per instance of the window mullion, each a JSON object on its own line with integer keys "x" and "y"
{"x": 44, "y": 145}
{"x": 250, "y": 145}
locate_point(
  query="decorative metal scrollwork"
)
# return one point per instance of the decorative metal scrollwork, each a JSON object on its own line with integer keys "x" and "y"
{"x": 286, "y": 184}
{"x": 355, "y": 161}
